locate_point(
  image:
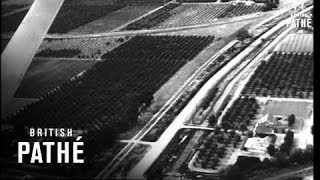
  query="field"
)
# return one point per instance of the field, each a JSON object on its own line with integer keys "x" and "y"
{"x": 153, "y": 19}
{"x": 72, "y": 16}
{"x": 90, "y": 48}
{"x": 44, "y": 75}
{"x": 67, "y": 53}
{"x": 190, "y": 14}
{"x": 301, "y": 110}
{"x": 114, "y": 19}
{"x": 11, "y": 22}
{"x": 283, "y": 75}
{"x": 298, "y": 43}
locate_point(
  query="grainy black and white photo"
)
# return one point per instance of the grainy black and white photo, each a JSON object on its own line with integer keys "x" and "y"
{"x": 157, "y": 89}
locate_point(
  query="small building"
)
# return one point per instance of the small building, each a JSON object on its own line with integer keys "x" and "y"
{"x": 258, "y": 144}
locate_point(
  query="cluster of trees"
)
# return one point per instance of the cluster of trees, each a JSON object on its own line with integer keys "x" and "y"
{"x": 284, "y": 75}
{"x": 291, "y": 119}
{"x": 243, "y": 34}
{"x": 59, "y": 53}
{"x": 214, "y": 147}
{"x": 240, "y": 114}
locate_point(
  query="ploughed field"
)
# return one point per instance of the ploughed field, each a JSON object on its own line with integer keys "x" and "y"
{"x": 175, "y": 15}
{"x": 105, "y": 101}
{"x": 283, "y": 75}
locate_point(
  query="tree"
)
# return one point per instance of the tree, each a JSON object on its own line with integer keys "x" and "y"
{"x": 225, "y": 125}
{"x": 250, "y": 134}
{"x": 284, "y": 147}
{"x": 220, "y": 152}
{"x": 217, "y": 130}
{"x": 243, "y": 126}
{"x": 289, "y": 137}
{"x": 232, "y": 133}
{"x": 212, "y": 120}
{"x": 291, "y": 119}
{"x": 271, "y": 150}
{"x": 243, "y": 34}
{"x": 220, "y": 138}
